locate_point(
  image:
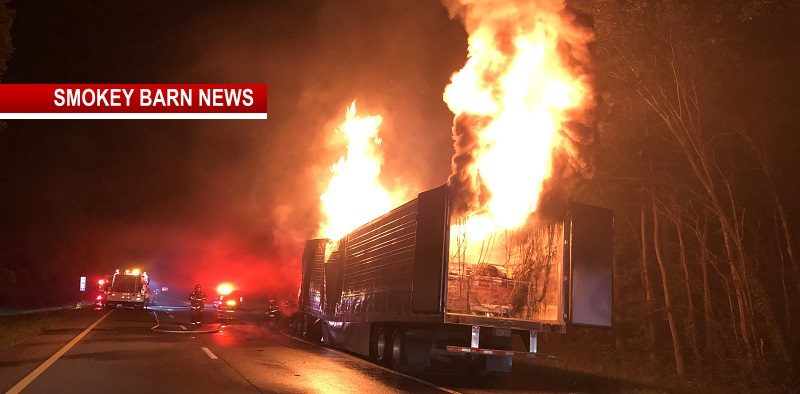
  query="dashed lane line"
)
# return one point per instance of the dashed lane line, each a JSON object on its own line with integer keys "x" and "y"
{"x": 47, "y": 363}
{"x": 209, "y": 353}
{"x": 182, "y": 327}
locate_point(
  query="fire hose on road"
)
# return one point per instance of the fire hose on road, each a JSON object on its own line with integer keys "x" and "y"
{"x": 182, "y": 331}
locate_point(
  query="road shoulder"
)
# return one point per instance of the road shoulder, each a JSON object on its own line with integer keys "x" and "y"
{"x": 18, "y": 361}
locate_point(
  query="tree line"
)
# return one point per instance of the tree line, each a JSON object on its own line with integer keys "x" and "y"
{"x": 697, "y": 152}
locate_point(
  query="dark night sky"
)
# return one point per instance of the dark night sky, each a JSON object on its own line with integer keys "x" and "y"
{"x": 208, "y": 200}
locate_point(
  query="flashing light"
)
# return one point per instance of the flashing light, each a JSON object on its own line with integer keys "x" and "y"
{"x": 225, "y": 288}
{"x": 134, "y": 271}
{"x": 99, "y": 297}
{"x": 101, "y": 282}
{"x": 230, "y": 303}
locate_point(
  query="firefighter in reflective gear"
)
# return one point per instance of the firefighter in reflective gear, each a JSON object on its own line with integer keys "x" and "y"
{"x": 197, "y": 301}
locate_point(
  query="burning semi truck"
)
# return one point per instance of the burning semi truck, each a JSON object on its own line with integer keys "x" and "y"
{"x": 417, "y": 285}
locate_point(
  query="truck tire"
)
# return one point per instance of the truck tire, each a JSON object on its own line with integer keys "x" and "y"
{"x": 398, "y": 350}
{"x": 380, "y": 346}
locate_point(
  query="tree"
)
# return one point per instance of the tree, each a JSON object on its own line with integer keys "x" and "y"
{"x": 676, "y": 77}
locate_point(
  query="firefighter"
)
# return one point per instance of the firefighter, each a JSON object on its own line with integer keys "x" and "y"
{"x": 197, "y": 301}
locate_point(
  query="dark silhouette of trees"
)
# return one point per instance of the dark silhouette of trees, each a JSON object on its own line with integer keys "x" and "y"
{"x": 698, "y": 141}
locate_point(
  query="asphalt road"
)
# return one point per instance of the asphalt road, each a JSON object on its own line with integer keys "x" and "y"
{"x": 155, "y": 351}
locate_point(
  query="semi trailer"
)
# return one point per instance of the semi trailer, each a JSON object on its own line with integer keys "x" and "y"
{"x": 418, "y": 285}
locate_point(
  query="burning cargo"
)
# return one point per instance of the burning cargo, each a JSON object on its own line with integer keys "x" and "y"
{"x": 418, "y": 282}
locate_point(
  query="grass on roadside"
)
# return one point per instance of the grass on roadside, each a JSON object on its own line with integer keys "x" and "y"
{"x": 15, "y": 329}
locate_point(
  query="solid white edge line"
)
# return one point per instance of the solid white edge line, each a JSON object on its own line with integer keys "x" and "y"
{"x": 209, "y": 353}
{"x": 418, "y": 380}
{"x": 130, "y": 115}
{"x": 47, "y": 363}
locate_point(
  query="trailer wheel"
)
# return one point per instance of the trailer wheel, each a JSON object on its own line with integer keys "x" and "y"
{"x": 380, "y": 353}
{"x": 399, "y": 361}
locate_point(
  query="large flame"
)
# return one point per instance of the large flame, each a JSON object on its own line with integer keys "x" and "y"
{"x": 517, "y": 101}
{"x": 355, "y": 194}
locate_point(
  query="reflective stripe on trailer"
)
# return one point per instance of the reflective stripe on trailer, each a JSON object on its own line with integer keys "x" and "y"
{"x": 495, "y": 352}
{"x": 482, "y": 351}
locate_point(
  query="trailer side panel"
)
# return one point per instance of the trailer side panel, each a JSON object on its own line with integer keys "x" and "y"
{"x": 430, "y": 256}
{"x": 378, "y": 267}
{"x": 312, "y": 280}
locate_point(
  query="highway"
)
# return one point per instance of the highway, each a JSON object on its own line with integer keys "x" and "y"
{"x": 154, "y": 350}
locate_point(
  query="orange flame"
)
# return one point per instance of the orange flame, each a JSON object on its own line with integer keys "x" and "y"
{"x": 355, "y": 194}
{"x": 523, "y": 86}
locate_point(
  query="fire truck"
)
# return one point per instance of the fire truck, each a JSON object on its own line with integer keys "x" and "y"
{"x": 129, "y": 288}
{"x": 414, "y": 287}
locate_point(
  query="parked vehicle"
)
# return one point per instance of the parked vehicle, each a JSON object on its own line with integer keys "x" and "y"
{"x": 129, "y": 288}
{"x": 413, "y": 285}
{"x": 233, "y": 301}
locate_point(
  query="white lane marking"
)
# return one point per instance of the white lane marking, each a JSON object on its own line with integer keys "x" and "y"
{"x": 182, "y": 327}
{"x": 170, "y": 316}
{"x": 47, "y": 363}
{"x": 418, "y": 380}
{"x": 158, "y": 322}
{"x": 209, "y": 353}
